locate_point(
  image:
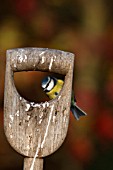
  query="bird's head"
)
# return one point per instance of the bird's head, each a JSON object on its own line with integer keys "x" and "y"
{"x": 48, "y": 83}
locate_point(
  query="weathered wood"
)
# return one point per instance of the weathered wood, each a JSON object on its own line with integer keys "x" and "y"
{"x": 37, "y": 129}
{"x": 33, "y": 164}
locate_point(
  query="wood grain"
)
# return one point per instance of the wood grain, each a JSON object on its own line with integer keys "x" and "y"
{"x": 30, "y": 163}
{"x": 37, "y": 129}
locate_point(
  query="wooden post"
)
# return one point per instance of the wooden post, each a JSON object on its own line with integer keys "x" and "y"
{"x": 33, "y": 164}
{"x": 36, "y": 130}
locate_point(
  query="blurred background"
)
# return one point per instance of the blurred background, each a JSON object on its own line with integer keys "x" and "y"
{"x": 85, "y": 28}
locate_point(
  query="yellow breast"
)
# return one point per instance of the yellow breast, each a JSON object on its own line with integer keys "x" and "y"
{"x": 55, "y": 91}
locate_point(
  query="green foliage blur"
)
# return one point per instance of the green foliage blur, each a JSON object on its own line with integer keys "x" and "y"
{"x": 85, "y": 28}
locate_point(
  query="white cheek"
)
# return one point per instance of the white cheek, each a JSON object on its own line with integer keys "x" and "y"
{"x": 51, "y": 85}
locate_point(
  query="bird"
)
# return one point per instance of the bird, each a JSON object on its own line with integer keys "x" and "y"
{"x": 52, "y": 87}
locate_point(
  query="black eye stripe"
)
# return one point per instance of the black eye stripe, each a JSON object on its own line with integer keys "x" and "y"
{"x": 47, "y": 84}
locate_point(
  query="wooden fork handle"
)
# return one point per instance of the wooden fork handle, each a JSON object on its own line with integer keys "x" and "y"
{"x": 33, "y": 164}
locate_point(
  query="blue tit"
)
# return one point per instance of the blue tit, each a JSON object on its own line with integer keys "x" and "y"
{"x": 52, "y": 86}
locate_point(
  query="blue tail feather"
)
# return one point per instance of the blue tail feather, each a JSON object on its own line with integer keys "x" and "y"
{"x": 77, "y": 112}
